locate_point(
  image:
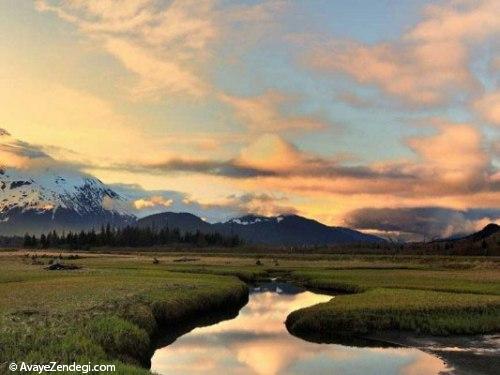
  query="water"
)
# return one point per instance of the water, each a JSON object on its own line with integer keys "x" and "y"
{"x": 257, "y": 342}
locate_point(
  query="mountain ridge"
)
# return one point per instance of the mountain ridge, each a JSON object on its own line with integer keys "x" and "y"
{"x": 284, "y": 230}
{"x": 57, "y": 200}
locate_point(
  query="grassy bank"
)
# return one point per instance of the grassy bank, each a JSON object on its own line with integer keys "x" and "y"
{"x": 430, "y": 301}
{"x": 356, "y": 280}
{"x": 103, "y": 314}
{"x": 376, "y": 310}
{"x": 109, "y": 310}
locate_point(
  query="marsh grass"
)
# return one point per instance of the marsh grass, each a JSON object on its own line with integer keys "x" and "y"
{"x": 484, "y": 281}
{"x": 431, "y": 301}
{"x": 102, "y": 315}
{"x": 420, "y": 311}
{"x": 109, "y": 310}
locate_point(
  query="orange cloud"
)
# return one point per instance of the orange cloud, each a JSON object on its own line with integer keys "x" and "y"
{"x": 421, "y": 74}
{"x": 452, "y": 164}
{"x": 264, "y": 113}
{"x": 271, "y": 152}
{"x": 153, "y": 201}
{"x": 76, "y": 122}
{"x": 488, "y": 107}
{"x": 161, "y": 45}
{"x": 455, "y": 157}
{"x": 429, "y": 64}
{"x": 157, "y": 76}
{"x": 165, "y": 44}
{"x": 453, "y": 161}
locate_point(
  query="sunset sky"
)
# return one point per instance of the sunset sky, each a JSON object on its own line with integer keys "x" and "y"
{"x": 378, "y": 115}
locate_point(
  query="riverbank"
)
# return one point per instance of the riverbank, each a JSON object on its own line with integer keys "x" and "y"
{"x": 109, "y": 309}
{"x": 428, "y": 301}
{"x": 467, "y": 355}
{"x": 102, "y": 314}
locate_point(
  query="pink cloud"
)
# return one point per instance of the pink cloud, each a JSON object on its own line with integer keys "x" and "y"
{"x": 266, "y": 113}
{"x": 429, "y": 64}
{"x": 488, "y": 107}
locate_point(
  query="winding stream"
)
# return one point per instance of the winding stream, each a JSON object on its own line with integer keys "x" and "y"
{"x": 257, "y": 342}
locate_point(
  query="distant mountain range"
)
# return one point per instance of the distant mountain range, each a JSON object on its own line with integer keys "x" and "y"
{"x": 70, "y": 200}
{"x": 288, "y": 230}
{"x": 66, "y": 200}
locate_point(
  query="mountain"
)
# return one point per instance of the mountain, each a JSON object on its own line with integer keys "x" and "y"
{"x": 183, "y": 221}
{"x": 483, "y": 242}
{"x": 489, "y": 231}
{"x": 283, "y": 230}
{"x": 291, "y": 230}
{"x": 37, "y": 202}
{"x": 40, "y": 201}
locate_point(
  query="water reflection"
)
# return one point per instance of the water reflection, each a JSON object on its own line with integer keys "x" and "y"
{"x": 257, "y": 342}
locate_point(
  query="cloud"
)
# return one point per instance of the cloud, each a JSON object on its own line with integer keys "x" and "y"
{"x": 229, "y": 168}
{"x": 423, "y": 75}
{"x": 488, "y": 107}
{"x": 267, "y": 157}
{"x": 428, "y": 65}
{"x": 157, "y": 76}
{"x": 453, "y": 161}
{"x": 255, "y": 203}
{"x": 147, "y": 202}
{"x": 67, "y": 119}
{"x": 455, "y": 158}
{"x": 160, "y": 42}
{"x": 416, "y": 223}
{"x": 18, "y": 154}
{"x": 271, "y": 152}
{"x": 153, "y": 201}
{"x": 167, "y": 45}
{"x": 266, "y": 113}
{"x": 355, "y": 100}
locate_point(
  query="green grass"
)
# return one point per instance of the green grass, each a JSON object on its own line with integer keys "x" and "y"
{"x": 431, "y": 301}
{"x": 110, "y": 309}
{"x": 105, "y": 314}
{"x": 484, "y": 281}
{"x": 421, "y": 311}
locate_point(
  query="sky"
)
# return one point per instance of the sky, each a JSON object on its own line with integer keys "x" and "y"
{"x": 380, "y": 115}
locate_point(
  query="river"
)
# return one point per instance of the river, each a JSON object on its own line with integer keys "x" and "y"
{"x": 257, "y": 342}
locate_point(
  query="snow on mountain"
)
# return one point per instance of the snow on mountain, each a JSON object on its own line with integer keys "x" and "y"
{"x": 250, "y": 219}
{"x": 54, "y": 199}
{"x": 292, "y": 230}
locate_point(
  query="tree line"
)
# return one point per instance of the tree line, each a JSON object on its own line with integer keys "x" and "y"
{"x": 129, "y": 236}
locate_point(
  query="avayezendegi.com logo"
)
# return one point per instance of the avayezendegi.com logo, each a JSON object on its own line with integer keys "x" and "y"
{"x": 57, "y": 367}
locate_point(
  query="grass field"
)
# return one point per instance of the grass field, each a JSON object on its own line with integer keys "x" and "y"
{"x": 105, "y": 314}
{"x": 438, "y": 301}
{"x": 109, "y": 310}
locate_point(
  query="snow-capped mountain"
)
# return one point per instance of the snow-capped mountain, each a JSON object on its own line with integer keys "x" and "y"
{"x": 47, "y": 199}
{"x": 253, "y": 219}
{"x": 291, "y": 230}
{"x": 282, "y": 230}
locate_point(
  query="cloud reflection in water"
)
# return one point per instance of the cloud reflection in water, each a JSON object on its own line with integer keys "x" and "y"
{"x": 257, "y": 342}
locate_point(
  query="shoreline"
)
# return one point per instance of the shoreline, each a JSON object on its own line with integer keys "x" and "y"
{"x": 210, "y": 314}
{"x": 467, "y": 355}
